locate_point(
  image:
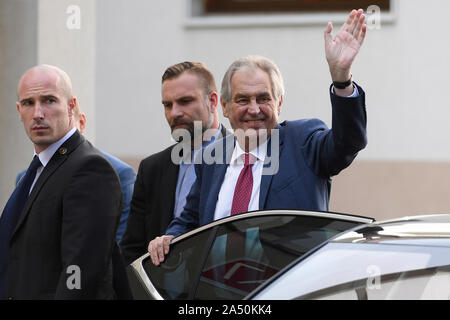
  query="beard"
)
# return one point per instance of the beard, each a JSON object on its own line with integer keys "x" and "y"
{"x": 194, "y": 129}
{"x": 189, "y": 126}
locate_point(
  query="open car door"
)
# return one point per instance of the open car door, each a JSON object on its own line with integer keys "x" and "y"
{"x": 231, "y": 257}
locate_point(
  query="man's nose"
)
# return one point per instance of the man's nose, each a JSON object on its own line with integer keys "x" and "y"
{"x": 176, "y": 111}
{"x": 38, "y": 111}
{"x": 253, "y": 107}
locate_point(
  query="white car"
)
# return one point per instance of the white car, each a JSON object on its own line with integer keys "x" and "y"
{"x": 406, "y": 259}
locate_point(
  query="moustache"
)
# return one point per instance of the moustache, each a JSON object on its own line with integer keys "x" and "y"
{"x": 178, "y": 122}
{"x": 38, "y": 124}
{"x": 255, "y": 118}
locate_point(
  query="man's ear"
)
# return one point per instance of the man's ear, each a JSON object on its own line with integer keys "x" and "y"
{"x": 72, "y": 103}
{"x": 224, "y": 107}
{"x": 279, "y": 104}
{"x": 213, "y": 101}
{"x": 18, "y": 110}
{"x": 82, "y": 123}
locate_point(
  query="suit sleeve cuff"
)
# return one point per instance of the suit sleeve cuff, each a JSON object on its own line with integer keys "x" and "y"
{"x": 353, "y": 95}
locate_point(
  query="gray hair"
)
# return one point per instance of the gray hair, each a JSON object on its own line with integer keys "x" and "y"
{"x": 251, "y": 63}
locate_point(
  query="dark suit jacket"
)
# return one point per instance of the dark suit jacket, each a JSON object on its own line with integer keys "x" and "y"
{"x": 309, "y": 154}
{"x": 68, "y": 223}
{"x": 152, "y": 204}
{"x": 127, "y": 177}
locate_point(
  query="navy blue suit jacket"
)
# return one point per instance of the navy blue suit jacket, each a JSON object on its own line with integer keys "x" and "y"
{"x": 309, "y": 154}
{"x": 127, "y": 177}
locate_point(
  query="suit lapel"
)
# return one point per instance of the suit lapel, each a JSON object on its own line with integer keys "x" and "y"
{"x": 170, "y": 180}
{"x": 55, "y": 162}
{"x": 218, "y": 176}
{"x": 271, "y": 165}
{"x": 224, "y": 131}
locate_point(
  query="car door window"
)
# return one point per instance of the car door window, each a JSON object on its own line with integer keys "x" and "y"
{"x": 249, "y": 251}
{"x": 174, "y": 278}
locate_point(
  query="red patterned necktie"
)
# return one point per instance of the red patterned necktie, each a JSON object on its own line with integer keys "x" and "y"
{"x": 244, "y": 186}
{"x": 236, "y": 239}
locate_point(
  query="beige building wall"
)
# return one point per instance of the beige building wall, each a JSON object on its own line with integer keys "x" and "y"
{"x": 117, "y": 56}
{"x": 389, "y": 189}
{"x": 66, "y": 38}
{"x": 18, "y": 51}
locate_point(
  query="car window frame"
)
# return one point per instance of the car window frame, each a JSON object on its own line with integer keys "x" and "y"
{"x": 138, "y": 266}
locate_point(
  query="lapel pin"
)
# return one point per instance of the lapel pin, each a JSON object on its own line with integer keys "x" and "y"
{"x": 62, "y": 150}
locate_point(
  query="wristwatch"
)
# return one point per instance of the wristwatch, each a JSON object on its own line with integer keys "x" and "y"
{"x": 342, "y": 85}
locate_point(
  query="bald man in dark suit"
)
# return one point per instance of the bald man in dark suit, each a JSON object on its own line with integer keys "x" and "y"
{"x": 59, "y": 243}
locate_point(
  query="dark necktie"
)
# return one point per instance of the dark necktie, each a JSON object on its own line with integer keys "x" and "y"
{"x": 10, "y": 217}
{"x": 244, "y": 187}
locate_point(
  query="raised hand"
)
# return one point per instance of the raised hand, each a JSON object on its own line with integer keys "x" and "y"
{"x": 341, "y": 50}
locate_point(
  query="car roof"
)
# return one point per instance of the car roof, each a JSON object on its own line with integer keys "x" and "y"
{"x": 425, "y": 229}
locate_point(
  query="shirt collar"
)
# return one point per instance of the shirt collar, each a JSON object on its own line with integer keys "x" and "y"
{"x": 48, "y": 153}
{"x": 259, "y": 152}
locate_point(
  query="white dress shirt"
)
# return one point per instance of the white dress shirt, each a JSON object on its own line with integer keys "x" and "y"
{"x": 226, "y": 193}
{"x": 48, "y": 153}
